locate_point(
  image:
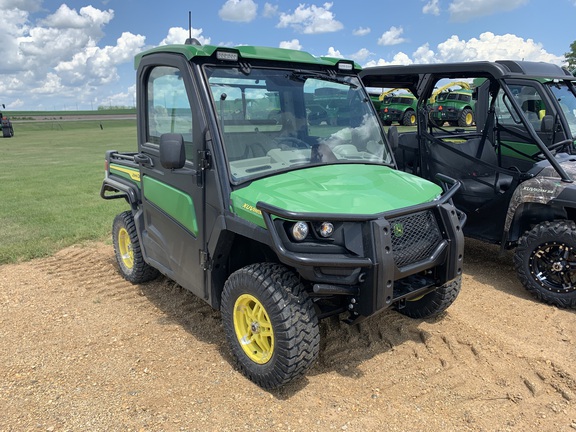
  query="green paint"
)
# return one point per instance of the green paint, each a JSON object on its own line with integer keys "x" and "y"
{"x": 335, "y": 189}
{"x": 525, "y": 148}
{"x": 245, "y": 52}
{"x": 174, "y": 202}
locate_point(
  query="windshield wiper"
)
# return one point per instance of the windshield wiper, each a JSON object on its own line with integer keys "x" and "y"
{"x": 302, "y": 75}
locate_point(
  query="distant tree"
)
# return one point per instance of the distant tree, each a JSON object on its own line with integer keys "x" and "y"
{"x": 570, "y": 57}
{"x": 114, "y": 107}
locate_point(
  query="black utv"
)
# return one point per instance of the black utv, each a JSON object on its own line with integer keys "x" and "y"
{"x": 517, "y": 165}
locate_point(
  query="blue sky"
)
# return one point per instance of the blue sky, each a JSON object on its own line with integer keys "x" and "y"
{"x": 78, "y": 54}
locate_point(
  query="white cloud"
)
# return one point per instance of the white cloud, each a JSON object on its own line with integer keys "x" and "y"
{"x": 398, "y": 59}
{"x": 178, "y": 35}
{"x": 127, "y": 98}
{"x": 238, "y": 10}
{"x": 361, "y": 31}
{"x": 294, "y": 44}
{"x": 18, "y": 103}
{"x": 58, "y": 56}
{"x": 96, "y": 66}
{"x": 360, "y": 55}
{"x": 311, "y": 20}
{"x": 487, "y": 46}
{"x": 50, "y": 84}
{"x": 23, "y": 5}
{"x": 392, "y": 36}
{"x": 494, "y": 47}
{"x": 466, "y": 10}
{"x": 269, "y": 10}
{"x": 332, "y": 52}
{"x": 432, "y": 8}
{"x": 424, "y": 54}
{"x": 66, "y": 18}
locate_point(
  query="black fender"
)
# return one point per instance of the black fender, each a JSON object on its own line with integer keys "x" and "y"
{"x": 114, "y": 188}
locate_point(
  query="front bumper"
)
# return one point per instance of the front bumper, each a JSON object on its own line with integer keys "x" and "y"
{"x": 381, "y": 259}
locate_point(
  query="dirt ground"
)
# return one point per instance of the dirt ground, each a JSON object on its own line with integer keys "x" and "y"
{"x": 83, "y": 350}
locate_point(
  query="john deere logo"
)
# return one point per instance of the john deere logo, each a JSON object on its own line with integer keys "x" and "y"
{"x": 398, "y": 230}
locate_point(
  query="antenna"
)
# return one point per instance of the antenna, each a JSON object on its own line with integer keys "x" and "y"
{"x": 191, "y": 40}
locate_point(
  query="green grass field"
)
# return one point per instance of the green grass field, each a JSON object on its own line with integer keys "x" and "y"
{"x": 24, "y": 115}
{"x": 50, "y": 178}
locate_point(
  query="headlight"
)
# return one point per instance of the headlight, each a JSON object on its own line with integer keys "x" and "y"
{"x": 326, "y": 229}
{"x": 299, "y": 231}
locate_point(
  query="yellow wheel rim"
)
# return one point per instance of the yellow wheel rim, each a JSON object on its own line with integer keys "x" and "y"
{"x": 125, "y": 247}
{"x": 253, "y": 329}
{"x": 469, "y": 119}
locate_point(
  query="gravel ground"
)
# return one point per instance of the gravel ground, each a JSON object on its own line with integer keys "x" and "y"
{"x": 83, "y": 350}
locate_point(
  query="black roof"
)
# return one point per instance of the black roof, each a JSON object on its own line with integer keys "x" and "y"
{"x": 409, "y": 75}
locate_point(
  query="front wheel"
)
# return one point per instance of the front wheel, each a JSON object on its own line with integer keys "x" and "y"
{"x": 545, "y": 262}
{"x": 433, "y": 303}
{"x": 128, "y": 252}
{"x": 270, "y": 324}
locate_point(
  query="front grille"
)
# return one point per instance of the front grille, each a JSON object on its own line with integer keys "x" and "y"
{"x": 414, "y": 237}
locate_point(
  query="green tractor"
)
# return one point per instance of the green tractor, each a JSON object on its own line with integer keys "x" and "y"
{"x": 398, "y": 107}
{"x": 6, "y": 125}
{"x": 453, "y": 106}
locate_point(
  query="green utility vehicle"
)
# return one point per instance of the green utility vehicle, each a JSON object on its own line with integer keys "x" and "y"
{"x": 6, "y": 125}
{"x": 274, "y": 218}
{"x": 517, "y": 167}
{"x": 453, "y": 106}
{"x": 398, "y": 107}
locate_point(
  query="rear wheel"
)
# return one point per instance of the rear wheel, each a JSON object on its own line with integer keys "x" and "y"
{"x": 466, "y": 118}
{"x": 433, "y": 303}
{"x": 409, "y": 118}
{"x": 127, "y": 250}
{"x": 270, "y": 324}
{"x": 545, "y": 262}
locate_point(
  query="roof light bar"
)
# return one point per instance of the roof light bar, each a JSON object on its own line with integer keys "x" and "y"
{"x": 227, "y": 55}
{"x": 345, "y": 66}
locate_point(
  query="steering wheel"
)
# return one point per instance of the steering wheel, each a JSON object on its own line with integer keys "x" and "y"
{"x": 554, "y": 147}
{"x": 291, "y": 142}
{"x": 560, "y": 144}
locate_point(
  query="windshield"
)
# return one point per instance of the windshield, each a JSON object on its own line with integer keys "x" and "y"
{"x": 567, "y": 101}
{"x": 275, "y": 120}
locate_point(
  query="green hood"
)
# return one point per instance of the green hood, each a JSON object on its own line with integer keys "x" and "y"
{"x": 333, "y": 189}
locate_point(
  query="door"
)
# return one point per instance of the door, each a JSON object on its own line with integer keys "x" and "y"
{"x": 513, "y": 132}
{"x": 172, "y": 199}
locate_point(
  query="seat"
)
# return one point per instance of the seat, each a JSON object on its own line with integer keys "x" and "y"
{"x": 481, "y": 182}
{"x": 406, "y": 153}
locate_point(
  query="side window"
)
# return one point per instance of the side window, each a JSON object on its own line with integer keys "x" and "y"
{"x": 168, "y": 106}
{"x": 530, "y": 101}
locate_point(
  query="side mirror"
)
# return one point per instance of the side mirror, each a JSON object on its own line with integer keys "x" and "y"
{"x": 172, "y": 153}
{"x": 547, "y": 123}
